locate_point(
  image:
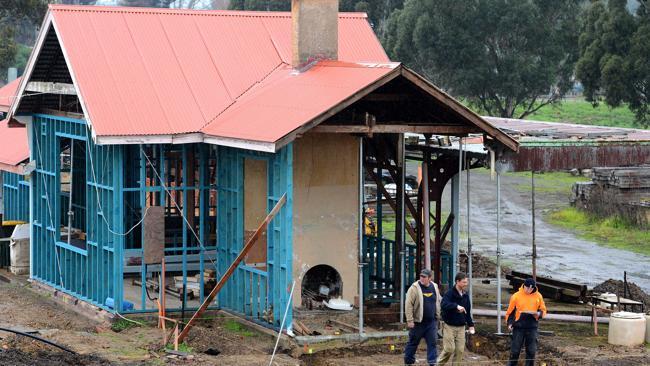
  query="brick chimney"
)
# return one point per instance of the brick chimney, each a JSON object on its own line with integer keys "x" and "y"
{"x": 315, "y": 30}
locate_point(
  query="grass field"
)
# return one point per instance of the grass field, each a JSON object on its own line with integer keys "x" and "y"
{"x": 582, "y": 112}
{"x": 549, "y": 182}
{"x": 612, "y": 232}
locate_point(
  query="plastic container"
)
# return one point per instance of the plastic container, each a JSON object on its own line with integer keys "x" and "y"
{"x": 627, "y": 329}
{"x": 19, "y": 250}
{"x": 338, "y": 304}
{"x": 126, "y": 305}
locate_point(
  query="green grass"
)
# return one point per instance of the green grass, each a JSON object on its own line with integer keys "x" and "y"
{"x": 121, "y": 324}
{"x": 388, "y": 228}
{"x": 235, "y": 327}
{"x": 549, "y": 182}
{"x": 182, "y": 347}
{"x": 612, "y": 232}
{"x": 582, "y": 112}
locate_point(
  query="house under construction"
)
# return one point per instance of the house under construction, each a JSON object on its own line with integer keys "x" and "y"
{"x": 173, "y": 133}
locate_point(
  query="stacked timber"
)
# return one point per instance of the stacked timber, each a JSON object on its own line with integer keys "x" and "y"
{"x": 623, "y": 178}
{"x": 193, "y": 283}
{"x": 621, "y": 192}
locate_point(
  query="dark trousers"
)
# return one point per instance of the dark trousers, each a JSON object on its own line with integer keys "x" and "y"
{"x": 523, "y": 337}
{"x": 429, "y": 333}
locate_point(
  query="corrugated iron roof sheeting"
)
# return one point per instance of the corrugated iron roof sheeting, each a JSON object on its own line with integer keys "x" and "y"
{"x": 14, "y": 148}
{"x": 159, "y": 71}
{"x": 7, "y": 95}
{"x": 286, "y": 99}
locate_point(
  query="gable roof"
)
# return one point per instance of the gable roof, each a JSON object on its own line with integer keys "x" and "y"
{"x": 167, "y": 75}
{"x": 159, "y": 71}
{"x": 286, "y": 100}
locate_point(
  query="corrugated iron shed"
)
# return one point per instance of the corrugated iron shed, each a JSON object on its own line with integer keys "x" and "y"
{"x": 538, "y": 132}
{"x": 551, "y": 146}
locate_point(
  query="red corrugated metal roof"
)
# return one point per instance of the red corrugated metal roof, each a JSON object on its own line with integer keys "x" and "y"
{"x": 286, "y": 100}
{"x": 161, "y": 72}
{"x": 7, "y": 95}
{"x": 14, "y": 148}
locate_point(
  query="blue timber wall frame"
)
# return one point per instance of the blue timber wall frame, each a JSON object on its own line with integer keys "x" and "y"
{"x": 92, "y": 274}
{"x": 143, "y": 188}
{"x": 96, "y": 273}
{"x": 260, "y": 295}
{"x": 15, "y": 193}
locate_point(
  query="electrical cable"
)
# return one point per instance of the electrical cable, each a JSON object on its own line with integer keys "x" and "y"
{"x": 99, "y": 203}
{"x": 180, "y": 211}
{"x": 38, "y": 339}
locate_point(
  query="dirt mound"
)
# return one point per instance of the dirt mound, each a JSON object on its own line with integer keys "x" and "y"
{"x": 20, "y": 358}
{"x": 20, "y": 351}
{"x": 481, "y": 266}
{"x": 616, "y": 287}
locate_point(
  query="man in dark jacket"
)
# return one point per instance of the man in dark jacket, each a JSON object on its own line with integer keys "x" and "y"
{"x": 525, "y": 309}
{"x": 456, "y": 314}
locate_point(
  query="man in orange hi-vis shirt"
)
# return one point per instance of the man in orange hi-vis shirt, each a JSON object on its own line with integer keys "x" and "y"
{"x": 524, "y": 312}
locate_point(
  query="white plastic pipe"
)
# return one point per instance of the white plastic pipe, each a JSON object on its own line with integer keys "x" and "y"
{"x": 554, "y": 317}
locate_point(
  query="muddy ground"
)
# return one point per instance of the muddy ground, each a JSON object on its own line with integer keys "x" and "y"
{"x": 238, "y": 344}
{"x": 98, "y": 344}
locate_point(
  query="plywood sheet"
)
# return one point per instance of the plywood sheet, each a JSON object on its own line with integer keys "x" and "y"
{"x": 154, "y": 235}
{"x": 255, "y": 202}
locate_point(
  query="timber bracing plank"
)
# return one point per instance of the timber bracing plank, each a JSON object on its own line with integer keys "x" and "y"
{"x": 247, "y": 247}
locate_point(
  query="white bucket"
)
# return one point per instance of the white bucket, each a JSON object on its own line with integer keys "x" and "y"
{"x": 627, "y": 329}
{"x": 19, "y": 250}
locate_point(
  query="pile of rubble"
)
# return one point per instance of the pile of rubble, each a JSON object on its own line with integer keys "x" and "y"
{"x": 616, "y": 287}
{"x": 482, "y": 266}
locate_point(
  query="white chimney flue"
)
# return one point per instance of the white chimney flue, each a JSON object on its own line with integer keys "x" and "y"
{"x": 315, "y": 31}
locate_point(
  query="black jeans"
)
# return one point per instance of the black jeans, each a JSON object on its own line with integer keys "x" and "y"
{"x": 521, "y": 337}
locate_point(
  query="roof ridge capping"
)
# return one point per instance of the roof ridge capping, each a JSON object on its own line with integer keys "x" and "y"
{"x": 173, "y": 11}
{"x": 363, "y": 64}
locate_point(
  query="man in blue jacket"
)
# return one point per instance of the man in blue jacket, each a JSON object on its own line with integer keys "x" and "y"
{"x": 456, "y": 314}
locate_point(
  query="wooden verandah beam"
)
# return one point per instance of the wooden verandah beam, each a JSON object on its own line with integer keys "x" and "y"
{"x": 397, "y": 128}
